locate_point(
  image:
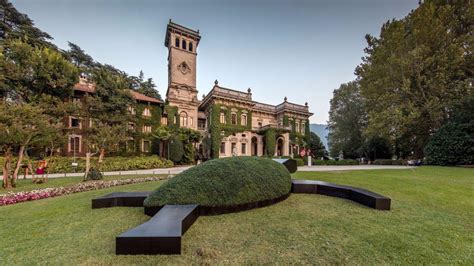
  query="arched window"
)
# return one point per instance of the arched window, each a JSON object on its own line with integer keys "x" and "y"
{"x": 233, "y": 119}
{"x": 183, "y": 118}
{"x": 190, "y": 46}
{"x": 297, "y": 127}
{"x": 222, "y": 118}
{"x": 183, "y": 44}
{"x": 176, "y": 42}
{"x": 243, "y": 120}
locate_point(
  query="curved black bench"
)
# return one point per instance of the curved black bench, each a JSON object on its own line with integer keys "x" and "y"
{"x": 120, "y": 199}
{"x": 161, "y": 234}
{"x": 359, "y": 195}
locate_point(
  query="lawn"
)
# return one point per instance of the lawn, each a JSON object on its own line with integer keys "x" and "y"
{"x": 431, "y": 221}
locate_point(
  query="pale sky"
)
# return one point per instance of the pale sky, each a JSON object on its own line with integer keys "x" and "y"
{"x": 300, "y": 49}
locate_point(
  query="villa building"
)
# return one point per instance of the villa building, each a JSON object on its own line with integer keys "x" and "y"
{"x": 230, "y": 121}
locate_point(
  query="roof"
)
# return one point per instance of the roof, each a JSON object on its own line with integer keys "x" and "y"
{"x": 90, "y": 88}
{"x": 85, "y": 87}
{"x": 173, "y": 27}
{"x": 141, "y": 97}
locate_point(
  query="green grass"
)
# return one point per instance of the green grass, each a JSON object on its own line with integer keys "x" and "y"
{"x": 225, "y": 182}
{"x": 431, "y": 222}
{"x": 27, "y": 184}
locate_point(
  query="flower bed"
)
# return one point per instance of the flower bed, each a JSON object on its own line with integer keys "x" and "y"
{"x": 17, "y": 197}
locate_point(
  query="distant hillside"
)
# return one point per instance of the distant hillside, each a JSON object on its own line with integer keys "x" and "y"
{"x": 322, "y": 132}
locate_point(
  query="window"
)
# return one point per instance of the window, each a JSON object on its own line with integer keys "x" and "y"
{"x": 176, "y": 42}
{"x": 74, "y": 122}
{"x": 259, "y": 124}
{"x": 183, "y": 44}
{"x": 302, "y": 128}
{"x": 202, "y": 124}
{"x": 76, "y": 101}
{"x": 190, "y": 46}
{"x": 234, "y": 149}
{"x": 74, "y": 144}
{"x": 146, "y": 129}
{"x": 131, "y": 110}
{"x": 130, "y": 146}
{"x": 183, "y": 119}
{"x": 234, "y": 118}
{"x": 164, "y": 120}
{"x": 297, "y": 126}
{"x": 131, "y": 126}
{"x": 222, "y": 119}
{"x": 243, "y": 120}
{"x": 222, "y": 150}
{"x": 244, "y": 148}
{"x": 146, "y": 145}
{"x": 146, "y": 112}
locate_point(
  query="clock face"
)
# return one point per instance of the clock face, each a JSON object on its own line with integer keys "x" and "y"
{"x": 184, "y": 68}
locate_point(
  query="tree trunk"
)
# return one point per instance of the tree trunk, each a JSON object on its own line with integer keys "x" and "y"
{"x": 21, "y": 154}
{"x": 6, "y": 170}
{"x": 101, "y": 158}
{"x": 88, "y": 164}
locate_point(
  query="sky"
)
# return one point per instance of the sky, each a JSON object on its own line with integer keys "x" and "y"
{"x": 299, "y": 49}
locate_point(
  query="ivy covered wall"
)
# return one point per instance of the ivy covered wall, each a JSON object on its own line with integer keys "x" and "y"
{"x": 216, "y": 127}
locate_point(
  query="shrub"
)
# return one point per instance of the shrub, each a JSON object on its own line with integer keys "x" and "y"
{"x": 390, "y": 162}
{"x": 333, "y": 162}
{"x": 452, "y": 144}
{"x": 299, "y": 162}
{"x": 225, "y": 182}
{"x": 176, "y": 150}
{"x": 94, "y": 175}
{"x": 63, "y": 164}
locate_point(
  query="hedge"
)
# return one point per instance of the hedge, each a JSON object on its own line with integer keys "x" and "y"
{"x": 225, "y": 182}
{"x": 390, "y": 162}
{"x": 63, "y": 164}
{"x": 333, "y": 162}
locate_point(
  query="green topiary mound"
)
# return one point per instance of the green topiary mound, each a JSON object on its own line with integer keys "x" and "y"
{"x": 225, "y": 182}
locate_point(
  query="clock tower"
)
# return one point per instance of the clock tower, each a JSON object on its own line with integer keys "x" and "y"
{"x": 182, "y": 46}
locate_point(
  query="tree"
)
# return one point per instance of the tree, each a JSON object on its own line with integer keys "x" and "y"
{"x": 414, "y": 73}
{"x": 30, "y": 72}
{"x": 376, "y": 147}
{"x": 146, "y": 87}
{"x": 79, "y": 57}
{"x": 453, "y": 143}
{"x": 21, "y": 125}
{"x": 316, "y": 146}
{"x": 15, "y": 25}
{"x": 346, "y": 120}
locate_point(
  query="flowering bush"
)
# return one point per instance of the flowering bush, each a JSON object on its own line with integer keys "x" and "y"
{"x": 17, "y": 197}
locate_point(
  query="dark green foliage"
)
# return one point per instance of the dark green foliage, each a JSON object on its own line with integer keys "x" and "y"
{"x": 94, "y": 175}
{"x": 225, "y": 182}
{"x": 333, "y": 162}
{"x": 376, "y": 148}
{"x": 270, "y": 142}
{"x": 300, "y": 161}
{"x": 451, "y": 145}
{"x": 346, "y": 121}
{"x": 389, "y": 162}
{"x": 316, "y": 146}
{"x": 173, "y": 116}
{"x": 145, "y": 87}
{"x": 117, "y": 163}
{"x": 176, "y": 149}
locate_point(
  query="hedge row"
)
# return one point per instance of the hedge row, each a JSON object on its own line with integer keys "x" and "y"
{"x": 333, "y": 162}
{"x": 63, "y": 164}
{"x": 390, "y": 162}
